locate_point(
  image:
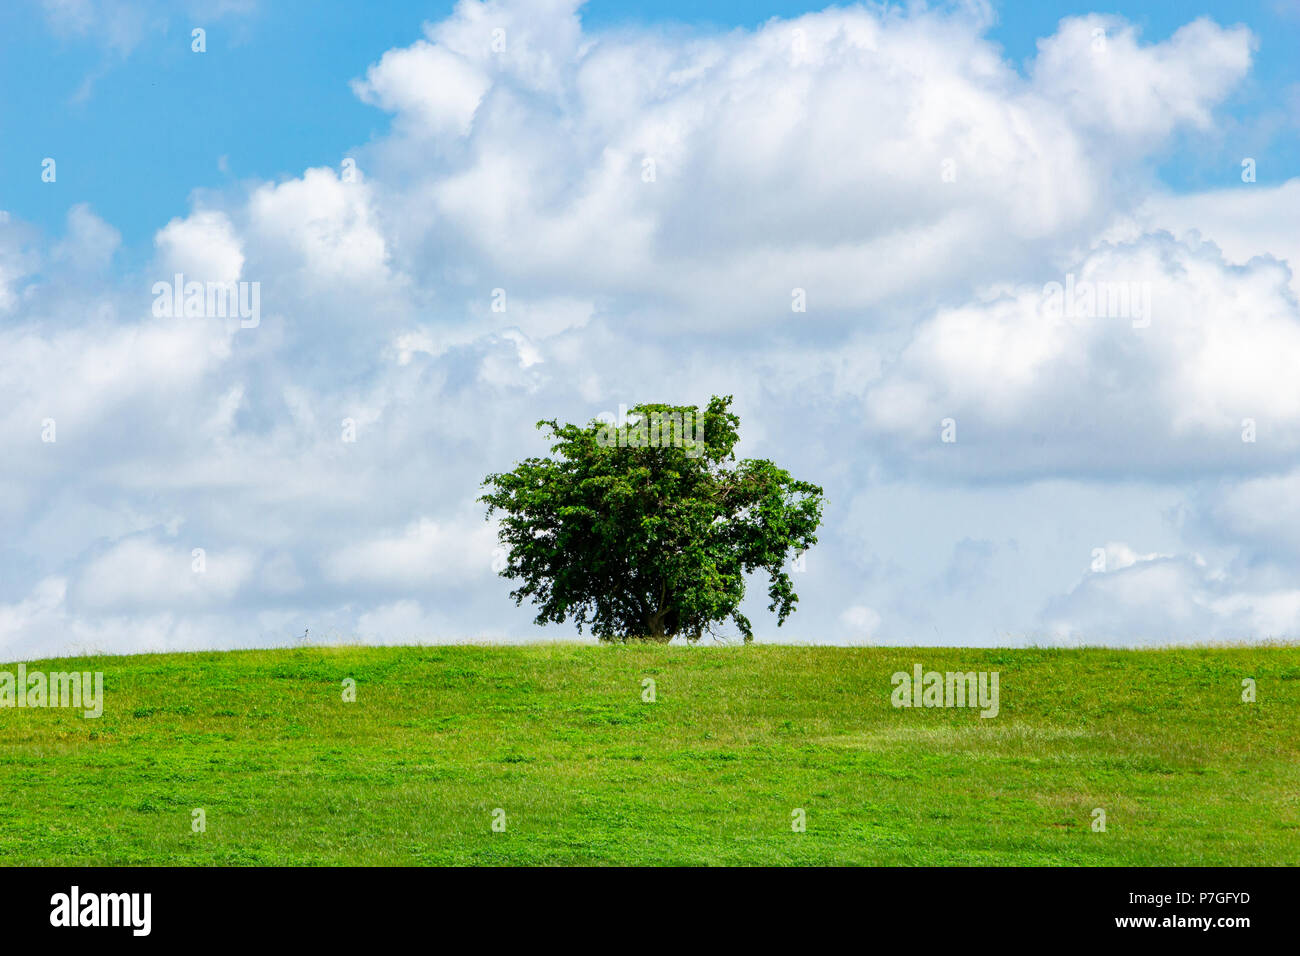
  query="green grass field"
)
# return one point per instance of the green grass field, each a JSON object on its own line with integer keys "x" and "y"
{"x": 558, "y": 737}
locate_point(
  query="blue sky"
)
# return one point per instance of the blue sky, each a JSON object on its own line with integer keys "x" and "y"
{"x": 651, "y": 188}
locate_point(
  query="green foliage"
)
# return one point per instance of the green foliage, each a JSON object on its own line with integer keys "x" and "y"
{"x": 650, "y": 532}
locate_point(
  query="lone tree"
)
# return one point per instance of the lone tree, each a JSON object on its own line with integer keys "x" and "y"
{"x": 647, "y": 530}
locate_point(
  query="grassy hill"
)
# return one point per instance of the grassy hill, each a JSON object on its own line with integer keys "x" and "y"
{"x": 558, "y": 737}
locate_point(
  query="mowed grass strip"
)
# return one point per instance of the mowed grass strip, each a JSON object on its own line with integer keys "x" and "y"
{"x": 738, "y": 738}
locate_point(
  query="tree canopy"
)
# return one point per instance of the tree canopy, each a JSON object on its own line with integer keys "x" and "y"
{"x": 646, "y": 529}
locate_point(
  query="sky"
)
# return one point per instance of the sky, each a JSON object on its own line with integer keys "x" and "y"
{"x": 1013, "y": 282}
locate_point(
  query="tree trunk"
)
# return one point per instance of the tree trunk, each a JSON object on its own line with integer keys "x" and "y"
{"x": 655, "y": 627}
{"x": 655, "y": 623}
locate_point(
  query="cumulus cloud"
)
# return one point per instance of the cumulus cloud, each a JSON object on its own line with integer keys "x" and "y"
{"x": 423, "y": 553}
{"x": 1262, "y": 514}
{"x": 203, "y": 246}
{"x": 1151, "y": 356}
{"x": 1111, "y": 82}
{"x": 1162, "y": 599}
{"x": 89, "y": 245}
{"x": 320, "y": 227}
{"x": 860, "y": 621}
{"x": 44, "y": 624}
{"x": 140, "y": 573}
{"x": 865, "y": 157}
{"x": 1244, "y": 222}
{"x": 438, "y": 89}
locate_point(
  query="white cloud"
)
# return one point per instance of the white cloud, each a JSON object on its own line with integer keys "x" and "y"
{"x": 22, "y": 622}
{"x": 426, "y": 553}
{"x": 1161, "y": 599}
{"x": 1245, "y": 221}
{"x": 437, "y": 88}
{"x": 90, "y": 243}
{"x": 860, "y": 621}
{"x": 16, "y": 261}
{"x": 142, "y": 574}
{"x": 408, "y": 622}
{"x": 1034, "y": 391}
{"x": 1097, "y": 67}
{"x": 320, "y": 229}
{"x": 760, "y": 182}
{"x": 1117, "y": 555}
{"x": 1262, "y": 513}
{"x": 203, "y": 246}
